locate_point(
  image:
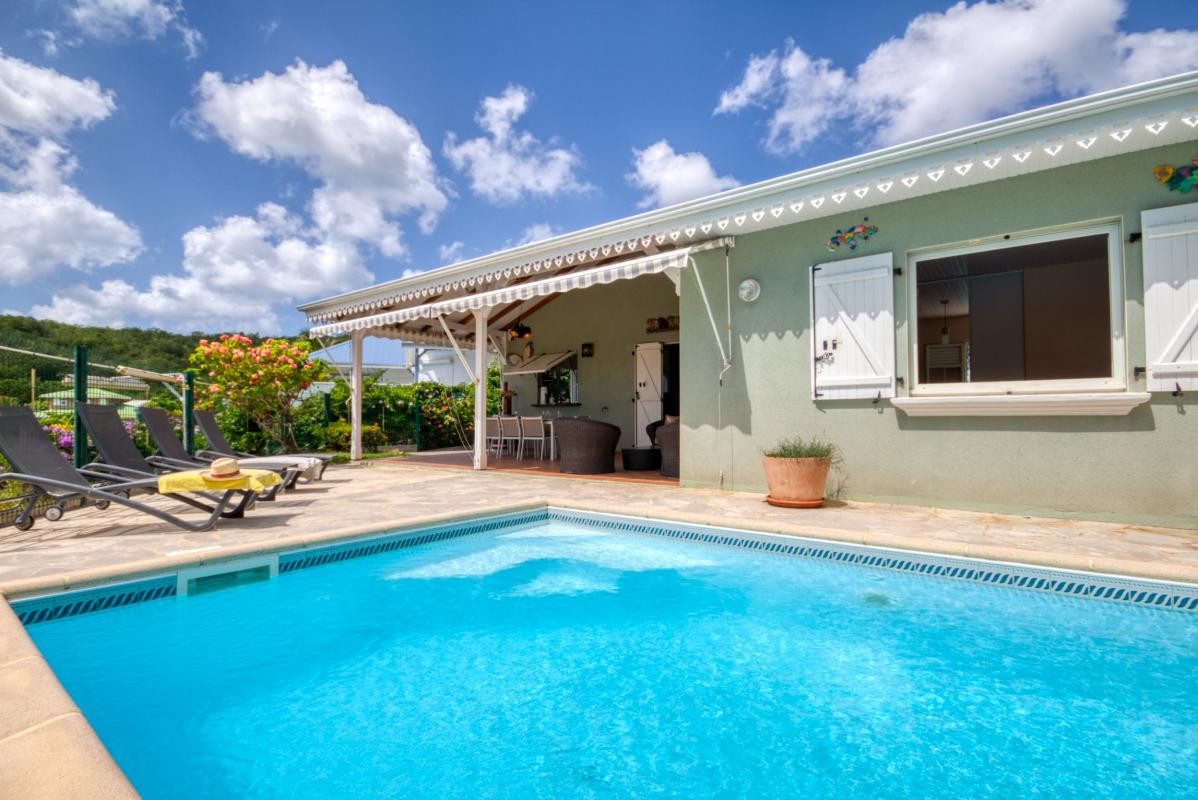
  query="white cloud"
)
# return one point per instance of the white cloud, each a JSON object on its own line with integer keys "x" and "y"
{"x": 45, "y": 222}
{"x": 37, "y": 101}
{"x": 452, "y": 252}
{"x": 233, "y": 272}
{"x": 951, "y": 69}
{"x": 372, "y": 166}
{"x": 538, "y": 232}
{"x": 668, "y": 177}
{"x": 372, "y": 163}
{"x": 507, "y": 163}
{"x": 114, "y": 20}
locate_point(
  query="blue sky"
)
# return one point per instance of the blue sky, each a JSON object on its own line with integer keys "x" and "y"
{"x": 209, "y": 165}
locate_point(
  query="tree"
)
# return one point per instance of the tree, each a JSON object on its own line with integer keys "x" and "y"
{"x": 262, "y": 381}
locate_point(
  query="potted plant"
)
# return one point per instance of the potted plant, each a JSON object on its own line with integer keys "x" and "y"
{"x": 796, "y": 471}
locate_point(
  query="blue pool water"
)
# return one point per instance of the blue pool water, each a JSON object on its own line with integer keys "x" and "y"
{"x": 562, "y": 661}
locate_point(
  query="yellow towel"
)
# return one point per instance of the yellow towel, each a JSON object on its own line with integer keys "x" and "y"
{"x": 257, "y": 480}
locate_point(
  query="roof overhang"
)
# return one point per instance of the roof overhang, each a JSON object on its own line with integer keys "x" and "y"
{"x": 1122, "y": 120}
{"x": 515, "y": 294}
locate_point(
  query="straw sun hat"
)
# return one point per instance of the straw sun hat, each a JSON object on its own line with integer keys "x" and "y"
{"x": 223, "y": 469}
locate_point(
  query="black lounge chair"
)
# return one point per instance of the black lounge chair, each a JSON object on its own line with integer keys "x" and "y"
{"x": 173, "y": 455}
{"x": 36, "y": 462}
{"x": 219, "y": 447}
{"x": 118, "y": 453}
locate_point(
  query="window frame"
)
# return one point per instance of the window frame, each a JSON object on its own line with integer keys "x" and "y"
{"x": 1117, "y": 381}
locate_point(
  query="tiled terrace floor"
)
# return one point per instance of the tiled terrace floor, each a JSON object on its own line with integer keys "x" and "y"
{"x": 89, "y": 546}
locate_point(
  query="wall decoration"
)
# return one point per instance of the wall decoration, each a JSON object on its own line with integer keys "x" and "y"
{"x": 852, "y": 236}
{"x": 1178, "y": 179}
{"x": 661, "y": 324}
{"x": 749, "y": 290}
{"x": 587, "y": 349}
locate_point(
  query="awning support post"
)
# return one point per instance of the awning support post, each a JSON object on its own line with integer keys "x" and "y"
{"x": 457, "y": 349}
{"x": 480, "y": 387}
{"x": 355, "y": 391}
{"x": 715, "y": 328}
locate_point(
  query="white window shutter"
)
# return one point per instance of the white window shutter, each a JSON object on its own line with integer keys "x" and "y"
{"x": 852, "y": 328}
{"x": 1170, "y": 247}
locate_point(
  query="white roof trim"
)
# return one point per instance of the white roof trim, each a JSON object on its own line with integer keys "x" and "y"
{"x": 608, "y": 273}
{"x": 1122, "y": 120}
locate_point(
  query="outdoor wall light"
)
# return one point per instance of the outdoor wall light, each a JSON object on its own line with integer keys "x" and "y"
{"x": 749, "y": 290}
{"x": 519, "y": 331}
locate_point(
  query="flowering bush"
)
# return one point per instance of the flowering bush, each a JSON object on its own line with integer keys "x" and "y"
{"x": 262, "y": 381}
{"x": 62, "y": 435}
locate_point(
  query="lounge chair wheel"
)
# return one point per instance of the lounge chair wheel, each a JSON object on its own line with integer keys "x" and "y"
{"x": 53, "y": 513}
{"x": 23, "y": 524}
{"x": 102, "y": 504}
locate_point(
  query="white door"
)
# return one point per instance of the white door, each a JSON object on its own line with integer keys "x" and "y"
{"x": 648, "y": 389}
{"x": 1171, "y": 297}
{"x": 852, "y": 328}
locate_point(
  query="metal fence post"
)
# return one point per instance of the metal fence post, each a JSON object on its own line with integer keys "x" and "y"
{"x": 79, "y": 447}
{"x": 189, "y": 420}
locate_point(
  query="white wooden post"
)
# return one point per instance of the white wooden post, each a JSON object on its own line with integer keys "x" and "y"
{"x": 480, "y": 387}
{"x": 355, "y": 391}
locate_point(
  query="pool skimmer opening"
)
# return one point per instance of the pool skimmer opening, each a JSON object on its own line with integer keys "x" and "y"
{"x": 227, "y": 575}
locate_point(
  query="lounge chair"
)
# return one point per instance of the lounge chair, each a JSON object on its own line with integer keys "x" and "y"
{"x": 36, "y": 462}
{"x": 172, "y": 454}
{"x": 312, "y": 464}
{"x": 119, "y": 455}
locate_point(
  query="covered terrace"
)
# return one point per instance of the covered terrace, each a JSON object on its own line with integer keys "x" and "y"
{"x": 482, "y": 313}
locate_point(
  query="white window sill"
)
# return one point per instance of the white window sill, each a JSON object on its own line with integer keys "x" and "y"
{"x": 1104, "y": 404}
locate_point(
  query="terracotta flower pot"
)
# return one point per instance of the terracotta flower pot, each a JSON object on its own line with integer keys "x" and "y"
{"x": 795, "y": 482}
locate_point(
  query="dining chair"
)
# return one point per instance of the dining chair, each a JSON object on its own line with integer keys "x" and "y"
{"x": 532, "y": 429}
{"x": 509, "y": 432}
{"x": 494, "y": 437}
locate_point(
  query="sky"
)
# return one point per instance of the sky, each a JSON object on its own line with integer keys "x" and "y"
{"x": 209, "y": 165}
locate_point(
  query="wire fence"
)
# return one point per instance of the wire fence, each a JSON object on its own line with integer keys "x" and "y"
{"x": 51, "y": 383}
{"x": 394, "y": 417}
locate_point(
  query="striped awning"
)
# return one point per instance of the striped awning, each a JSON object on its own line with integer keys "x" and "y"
{"x": 607, "y": 273}
{"x": 537, "y": 364}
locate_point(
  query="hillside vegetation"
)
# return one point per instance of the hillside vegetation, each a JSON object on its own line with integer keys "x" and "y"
{"x": 151, "y": 349}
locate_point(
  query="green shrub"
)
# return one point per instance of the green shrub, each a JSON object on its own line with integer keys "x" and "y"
{"x": 337, "y": 436}
{"x": 798, "y": 447}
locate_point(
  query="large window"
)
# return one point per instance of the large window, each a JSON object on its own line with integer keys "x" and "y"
{"x": 1037, "y": 313}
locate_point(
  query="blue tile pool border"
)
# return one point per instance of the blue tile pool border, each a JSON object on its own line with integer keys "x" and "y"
{"x": 1095, "y": 586}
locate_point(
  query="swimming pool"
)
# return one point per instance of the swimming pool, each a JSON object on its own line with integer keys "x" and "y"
{"x": 563, "y": 655}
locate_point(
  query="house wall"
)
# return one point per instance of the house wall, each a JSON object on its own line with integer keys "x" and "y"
{"x": 1138, "y": 468}
{"x": 612, "y": 317}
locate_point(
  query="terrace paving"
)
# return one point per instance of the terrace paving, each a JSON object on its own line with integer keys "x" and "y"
{"x": 93, "y": 546}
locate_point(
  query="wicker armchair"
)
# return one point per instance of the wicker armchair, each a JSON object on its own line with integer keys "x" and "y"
{"x": 587, "y": 446}
{"x": 667, "y": 442}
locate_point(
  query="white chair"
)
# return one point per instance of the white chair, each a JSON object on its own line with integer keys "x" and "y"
{"x": 494, "y": 437}
{"x": 532, "y": 429}
{"x": 509, "y": 431}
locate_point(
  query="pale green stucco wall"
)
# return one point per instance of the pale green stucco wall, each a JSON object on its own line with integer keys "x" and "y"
{"x": 613, "y": 318}
{"x": 1140, "y": 468}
